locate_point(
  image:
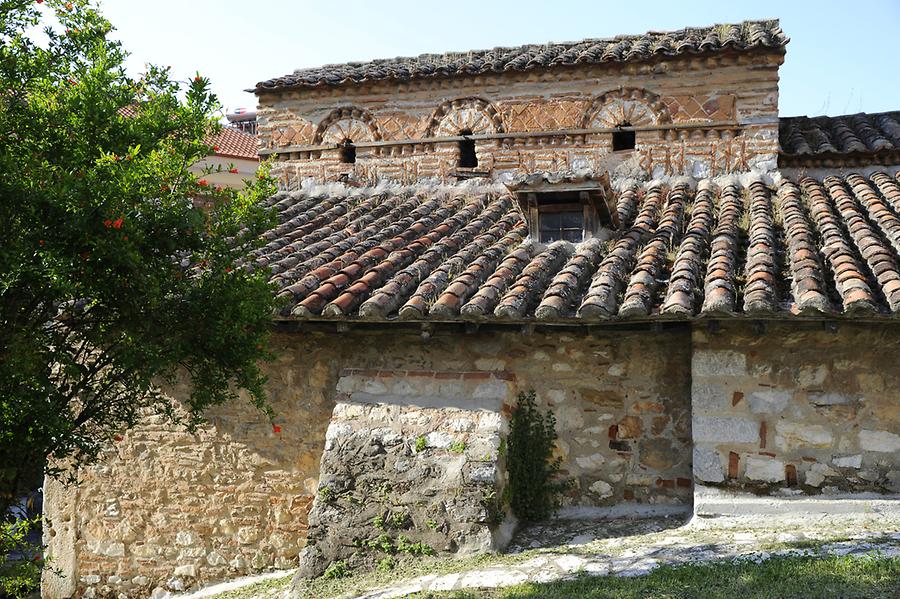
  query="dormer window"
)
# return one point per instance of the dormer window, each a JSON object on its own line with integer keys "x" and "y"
{"x": 566, "y": 210}
{"x": 623, "y": 140}
{"x": 467, "y": 156}
{"x": 347, "y": 152}
{"x": 560, "y": 219}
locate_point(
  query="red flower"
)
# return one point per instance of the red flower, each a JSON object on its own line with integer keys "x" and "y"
{"x": 40, "y": 1}
{"x": 197, "y": 78}
{"x": 233, "y": 171}
{"x": 276, "y": 429}
{"x": 124, "y": 237}
{"x": 118, "y": 438}
{"x": 227, "y": 269}
{"x": 215, "y": 148}
{"x": 117, "y": 224}
{"x": 107, "y": 223}
{"x": 68, "y": 6}
{"x": 218, "y": 188}
{"x": 202, "y": 182}
{"x": 41, "y": 242}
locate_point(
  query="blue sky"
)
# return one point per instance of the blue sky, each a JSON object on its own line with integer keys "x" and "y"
{"x": 842, "y": 57}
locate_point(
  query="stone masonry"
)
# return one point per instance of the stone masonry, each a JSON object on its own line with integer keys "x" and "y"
{"x": 797, "y": 408}
{"x": 412, "y": 463}
{"x": 170, "y": 510}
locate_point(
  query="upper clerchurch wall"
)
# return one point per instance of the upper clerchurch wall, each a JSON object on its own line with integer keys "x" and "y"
{"x": 698, "y": 102}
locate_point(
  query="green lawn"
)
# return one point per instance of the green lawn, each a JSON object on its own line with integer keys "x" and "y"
{"x": 776, "y": 578}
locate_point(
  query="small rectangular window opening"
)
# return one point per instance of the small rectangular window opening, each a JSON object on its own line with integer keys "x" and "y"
{"x": 467, "y": 156}
{"x": 564, "y": 223}
{"x": 348, "y": 153}
{"x": 622, "y": 140}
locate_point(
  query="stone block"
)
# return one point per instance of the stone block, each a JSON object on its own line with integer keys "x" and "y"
{"x": 812, "y": 376}
{"x": 769, "y": 401}
{"x": 629, "y": 428}
{"x": 764, "y": 469}
{"x": 880, "y": 441}
{"x": 715, "y": 363}
{"x": 659, "y": 454}
{"x": 601, "y": 488}
{"x": 830, "y": 399}
{"x": 187, "y": 570}
{"x": 790, "y": 436}
{"x": 725, "y": 429}
{"x": 709, "y": 397}
{"x": 848, "y": 461}
{"x": 708, "y": 465}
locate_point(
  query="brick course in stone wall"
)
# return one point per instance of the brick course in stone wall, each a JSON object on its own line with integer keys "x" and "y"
{"x": 797, "y": 408}
{"x": 783, "y": 408}
{"x": 168, "y": 509}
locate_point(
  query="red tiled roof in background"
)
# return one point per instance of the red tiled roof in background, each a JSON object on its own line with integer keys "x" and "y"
{"x": 232, "y": 143}
{"x": 852, "y": 139}
{"x": 804, "y": 247}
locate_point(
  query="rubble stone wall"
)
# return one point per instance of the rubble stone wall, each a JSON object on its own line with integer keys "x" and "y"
{"x": 797, "y": 408}
{"x": 413, "y": 464}
{"x": 730, "y": 104}
{"x": 169, "y": 510}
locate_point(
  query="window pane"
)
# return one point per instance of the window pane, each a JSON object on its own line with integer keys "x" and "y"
{"x": 571, "y": 220}
{"x": 555, "y": 226}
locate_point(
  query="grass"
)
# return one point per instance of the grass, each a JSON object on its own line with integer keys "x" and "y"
{"x": 273, "y": 587}
{"x": 793, "y": 577}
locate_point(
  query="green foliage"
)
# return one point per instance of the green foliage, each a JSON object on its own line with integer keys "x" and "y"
{"x": 385, "y": 564}
{"x": 120, "y": 268}
{"x": 421, "y": 444}
{"x": 20, "y": 560}
{"x": 534, "y": 488}
{"x": 399, "y": 520}
{"x": 338, "y": 569}
{"x": 378, "y": 522}
{"x": 431, "y": 523}
{"x": 782, "y": 577}
{"x": 458, "y": 446}
{"x": 405, "y": 546}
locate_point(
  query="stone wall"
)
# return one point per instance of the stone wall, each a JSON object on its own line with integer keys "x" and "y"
{"x": 169, "y": 510}
{"x": 412, "y": 465}
{"x": 699, "y": 116}
{"x": 797, "y": 408}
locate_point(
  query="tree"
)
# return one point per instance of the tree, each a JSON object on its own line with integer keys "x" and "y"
{"x": 120, "y": 270}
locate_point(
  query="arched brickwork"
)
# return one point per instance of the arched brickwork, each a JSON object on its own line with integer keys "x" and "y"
{"x": 474, "y": 114}
{"x": 635, "y": 106}
{"x": 347, "y": 122}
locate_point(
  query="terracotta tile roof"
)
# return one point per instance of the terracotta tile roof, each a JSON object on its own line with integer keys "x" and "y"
{"x": 747, "y": 35}
{"x": 858, "y": 139}
{"x": 802, "y": 247}
{"x": 233, "y": 143}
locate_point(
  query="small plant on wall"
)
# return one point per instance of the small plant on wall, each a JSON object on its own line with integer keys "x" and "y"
{"x": 534, "y": 485}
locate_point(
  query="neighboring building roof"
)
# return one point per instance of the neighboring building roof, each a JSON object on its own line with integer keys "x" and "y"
{"x": 858, "y": 138}
{"x": 232, "y": 143}
{"x": 748, "y": 35}
{"x": 809, "y": 247}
